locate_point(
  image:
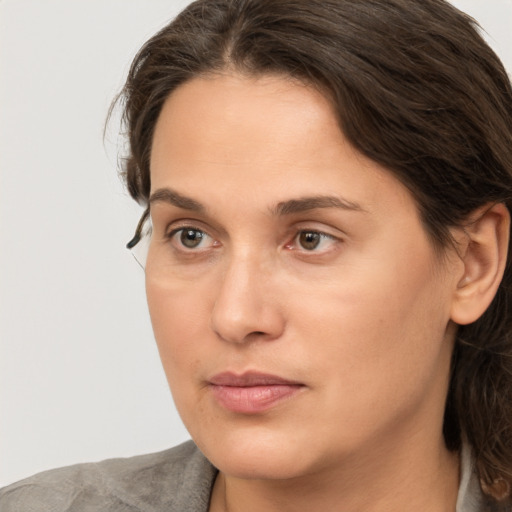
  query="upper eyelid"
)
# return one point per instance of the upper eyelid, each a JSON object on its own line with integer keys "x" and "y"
{"x": 178, "y": 225}
{"x": 177, "y": 229}
{"x": 296, "y": 231}
{"x": 329, "y": 236}
{"x": 320, "y": 225}
{"x": 328, "y": 232}
{"x": 318, "y": 232}
{"x": 183, "y": 223}
{"x": 218, "y": 233}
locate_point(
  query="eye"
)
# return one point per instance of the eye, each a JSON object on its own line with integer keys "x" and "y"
{"x": 312, "y": 241}
{"x": 190, "y": 238}
{"x": 309, "y": 240}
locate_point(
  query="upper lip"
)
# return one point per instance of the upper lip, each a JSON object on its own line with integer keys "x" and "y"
{"x": 249, "y": 379}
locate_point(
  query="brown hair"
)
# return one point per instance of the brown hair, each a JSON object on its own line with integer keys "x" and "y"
{"x": 417, "y": 90}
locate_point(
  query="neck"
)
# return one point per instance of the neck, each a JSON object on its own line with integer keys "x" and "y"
{"x": 405, "y": 478}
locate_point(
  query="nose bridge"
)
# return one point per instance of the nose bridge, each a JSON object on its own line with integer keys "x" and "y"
{"x": 245, "y": 303}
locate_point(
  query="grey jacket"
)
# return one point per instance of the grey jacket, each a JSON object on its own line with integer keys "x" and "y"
{"x": 175, "y": 480}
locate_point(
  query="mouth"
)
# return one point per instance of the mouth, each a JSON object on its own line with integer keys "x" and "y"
{"x": 251, "y": 392}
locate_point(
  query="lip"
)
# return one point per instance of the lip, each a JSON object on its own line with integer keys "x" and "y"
{"x": 251, "y": 392}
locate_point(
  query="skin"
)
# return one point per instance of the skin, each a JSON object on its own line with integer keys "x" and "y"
{"x": 362, "y": 321}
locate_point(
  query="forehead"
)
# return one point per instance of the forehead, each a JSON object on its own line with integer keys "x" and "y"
{"x": 239, "y": 118}
{"x": 267, "y": 139}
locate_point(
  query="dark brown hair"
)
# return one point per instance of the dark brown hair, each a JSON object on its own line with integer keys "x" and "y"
{"x": 416, "y": 89}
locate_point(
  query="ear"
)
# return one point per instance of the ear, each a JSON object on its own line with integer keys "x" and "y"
{"x": 484, "y": 256}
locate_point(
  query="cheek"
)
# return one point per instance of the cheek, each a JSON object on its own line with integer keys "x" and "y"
{"x": 178, "y": 319}
{"x": 377, "y": 331}
{"x": 179, "y": 316}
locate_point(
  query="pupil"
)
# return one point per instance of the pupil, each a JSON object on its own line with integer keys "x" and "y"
{"x": 191, "y": 238}
{"x": 309, "y": 240}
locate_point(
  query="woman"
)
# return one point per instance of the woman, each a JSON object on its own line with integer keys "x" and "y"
{"x": 328, "y": 186}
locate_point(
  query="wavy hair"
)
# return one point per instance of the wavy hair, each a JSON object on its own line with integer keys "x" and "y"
{"x": 417, "y": 90}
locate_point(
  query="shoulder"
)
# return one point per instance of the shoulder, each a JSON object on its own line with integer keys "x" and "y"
{"x": 178, "y": 479}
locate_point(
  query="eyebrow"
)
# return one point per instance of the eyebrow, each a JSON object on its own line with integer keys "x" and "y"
{"x": 291, "y": 206}
{"x": 304, "y": 204}
{"x": 169, "y": 196}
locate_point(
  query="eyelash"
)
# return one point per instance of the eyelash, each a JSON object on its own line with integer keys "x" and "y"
{"x": 319, "y": 237}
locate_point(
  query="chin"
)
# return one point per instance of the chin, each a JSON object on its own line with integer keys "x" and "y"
{"x": 258, "y": 453}
{"x": 257, "y": 463}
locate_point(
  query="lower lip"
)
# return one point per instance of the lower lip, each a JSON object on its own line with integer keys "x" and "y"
{"x": 253, "y": 399}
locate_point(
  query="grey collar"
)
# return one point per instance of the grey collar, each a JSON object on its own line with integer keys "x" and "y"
{"x": 470, "y": 498}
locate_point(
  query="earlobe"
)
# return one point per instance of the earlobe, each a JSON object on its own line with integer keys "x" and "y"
{"x": 484, "y": 258}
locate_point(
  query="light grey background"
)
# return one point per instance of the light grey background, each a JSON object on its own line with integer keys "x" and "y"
{"x": 80, "y": 378}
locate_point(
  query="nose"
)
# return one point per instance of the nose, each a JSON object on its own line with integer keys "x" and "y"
{"x": 246, "y": 305}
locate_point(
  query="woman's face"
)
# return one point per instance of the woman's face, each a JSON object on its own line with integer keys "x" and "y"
{"x": 301, "y": 314}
